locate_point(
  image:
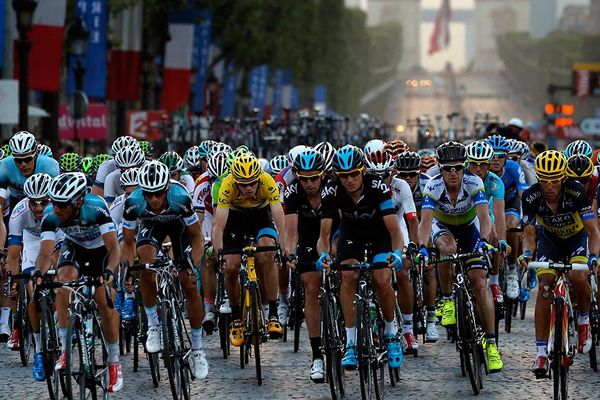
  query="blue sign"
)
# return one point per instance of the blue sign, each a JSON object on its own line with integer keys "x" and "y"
{"x": 229, "y": 91}
{"x": 283, "y": 77}
{"x": 2, "y": 29}
{"x": 94, "y": 14}
{"x": 257, "y": 85}
{"x": 201, "y": 51}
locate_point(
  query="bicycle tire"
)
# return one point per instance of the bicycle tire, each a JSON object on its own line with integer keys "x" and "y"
{"x": 256, "y": 330}
{"x": 75, "y": 366}
{"x": 498, "y": 313}
{"x": 223, "y": 326}
{"x": 168, "y": 351}
{"x": 362, "y": 346}
{"x": 522, "y": 309}
{"x": 557, "y": 348}
{"x": 25, "y": 333}
{"x": 50, "y": 350}
{"x": 329, "y": 347}
{"x": 508, "y": 314}
{"x": 182, "y": 353}
{"x": 594, "y": 328}
{"x": 466, "y": 335}
{"x": 377, "y": 366}
{"x": 298, "y": 300}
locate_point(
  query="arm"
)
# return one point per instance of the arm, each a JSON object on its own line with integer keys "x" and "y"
{"x": 128, "y": 251}
{"x": 500, "y": 219}
{"x": 291, "y": 234}
{"x": 393, "y": 227}
{"x": 197, "y": 239}
{"x": 324, "y": 244}
{"x": 485, "y": 222}
{"x": 594, "y": 236}
{"x": 425, "y": 227}
{"x": 219, "y": 222}
{"x": 413, "y": 229}
{"x": 111, "y": 242}
{"x": 529, "y": 238}
{"x": 12, "y": 258}
{"x": 44, "y": 258}
{"x": 279, "y": 218}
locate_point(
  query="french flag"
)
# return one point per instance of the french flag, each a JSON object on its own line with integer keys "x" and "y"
{"x": 124, "y": 67}
{"x": 46, "y": 37}
{"x": 440, "y": 38}
{"x": 177, "y": 72}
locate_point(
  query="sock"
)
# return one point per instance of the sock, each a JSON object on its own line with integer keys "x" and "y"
{"x": 431, "y": 314}
{"x": 272, "y": 309}
{"x": 315, "y": 345}
{"x": 583, "y": 318}
{"x": 209, "y": 304}
{"x": 62, "y": 335}
{"x": 490, "y": 338}
{"x": 113, "y": 352}
{"x": 130, "y": 295}
{"x": 350, "y": 336}
{"x": 267, "y": 309}
{"x": 493, "y": 280}
{"x": 152, "y": 315}
{"x": 197, "y": 339}
{"x": 407, "y": 323}
{"x": 446, "y": 296}
{"x": 390, "y": 329}
{"x": 38, "y": 342}
{"x": 236, "y": 312}
{"x": 4, "y": 314}
{"x": 541, "y": 347}
{"x": 283, "y": 295}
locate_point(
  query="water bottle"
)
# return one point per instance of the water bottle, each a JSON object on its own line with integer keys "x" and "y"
{"x": 89, "y": 329}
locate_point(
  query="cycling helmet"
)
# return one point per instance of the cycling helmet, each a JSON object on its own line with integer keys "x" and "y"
{"x": 538, "y": 147}
{"x": 192, "y": 158}
{"x": 242, "y": 150}
{"x": 87, "y": 164}
{"x": 147, "y": 148}
{"x": 219, "y": 147}
{"x": 579, "y": 147}
{"x": 99, "y": 160}
{"x": 579, "y": 166}
{"x": 379, "y": 161}
{"x": 517, "y": 122}
{"x": 204, "y": 148}
{"x": 348, "y": 158}
{"x": 309, "y": 160}
{"x": 451, "y": 152}
{"x": 68, "y": 187}
{"x": 129, "y": 177}
{"x": 217, "y": 164}
{"x": 293, "y": 153}
{"x": 395, "y": 147}
{"x": 22, "y": 143}
{"x": 130, "y": 156}
{"x": 327, "y": 151}
{"x": 264, "y": 164}
{"x": 479, "y": 151}
{"x": 121, "y": 142}
{"x": 172, "y": 160}
{"x": 408, "y": 161}
{"x": 427, "y": 161}
{"x": 498, "y": 143}
{"x": 44, "y": 150}
{"x": 426, "y": 152}
{"x": 154, "y": 176}
{"x": 278, "y": 163}
{"x": 69, "y": 162}
{"x": 37, "y": 186}
{"x": 2, "y": 154}
{"x": 6, "y": 149}
{"x": 550, "y": 165}
{"x": 374, "y": 145}
{"x": 523, "y": 150}
{"x": 245, "y": 169}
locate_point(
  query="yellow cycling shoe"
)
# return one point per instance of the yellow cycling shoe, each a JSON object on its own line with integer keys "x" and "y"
{"x": 274, "y": 329}
{"x": 494, "y": 360}
{"x": 237, "y": 333}
{"x": 448, "y": 313}
{"x": 438, "y": 309}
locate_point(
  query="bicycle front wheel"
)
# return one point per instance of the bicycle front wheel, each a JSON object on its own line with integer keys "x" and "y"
{"x": 332, "y": 350}
{"x": 25, "y": 333}
{"x": 256, "y": 330}
{"x": 78, "y": 373}
{"x": 364, "y": 349}
{"x": 169, "y": 350}
{"x": 50, "y": 349}
{"x": 467, "y": 340}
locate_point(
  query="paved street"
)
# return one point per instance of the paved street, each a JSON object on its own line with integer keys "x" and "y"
{"x": 435, "y": 373}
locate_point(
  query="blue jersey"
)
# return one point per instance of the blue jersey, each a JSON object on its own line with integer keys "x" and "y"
{"x": 179, "y": 206}
{"x": 12, "y": 179}
{"x": 494, "y": 190}
{"x": 86, "y": 229}
{"x": 513, "y": 179}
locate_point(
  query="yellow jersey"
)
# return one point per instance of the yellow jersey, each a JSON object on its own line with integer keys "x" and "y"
{"x": 231, "y": 197}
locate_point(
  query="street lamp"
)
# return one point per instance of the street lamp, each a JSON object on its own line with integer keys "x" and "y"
{"x": 24, "y": 10}
{"x": 79, "y": 38}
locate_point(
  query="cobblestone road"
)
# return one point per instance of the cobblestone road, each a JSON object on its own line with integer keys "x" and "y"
{"x": 434, "y": 374}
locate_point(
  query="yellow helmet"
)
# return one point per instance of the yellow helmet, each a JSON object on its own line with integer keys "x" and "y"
{"x": 579, "y": 166}
{"x": 550, "y": 165}
{"x": 245, "y": 169}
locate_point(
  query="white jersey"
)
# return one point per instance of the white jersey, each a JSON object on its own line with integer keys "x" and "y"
{"x": 104, "y": 169}
{"x": 116, "y": 213}
{"x": 404, "y": 204}
{"x": 188, "y": 182}
{"x": 529, "y": 172}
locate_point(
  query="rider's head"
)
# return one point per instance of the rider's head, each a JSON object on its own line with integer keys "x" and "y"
{"x": 408, "y": 166}
{"x": 501, "y": 148}
{"x": 174, "y": 162}
{"x": 349, "y": 166}
{"x": 550, "y": 167}
{"x": 246, "y": 173}
{"x": 23, "y": 148}
{"x": 36, "y": 189}
{"x": 309, "y": 167}
{"x": 66, "y": 193}
{"x": 580, "y": 168}
{"x": 154, "y": 181}
{"x": 381, "y": 163}
{"x": 479, "y": 155}
{"x": 129, "y": 180}
{"x": 452, "y": 157}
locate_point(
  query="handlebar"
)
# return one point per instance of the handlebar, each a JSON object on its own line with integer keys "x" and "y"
{"x": 359, "y": 267}
{"x": 558, "y": 266}
{"x": 249, "y": 250}
{"x": 455, "y": 257}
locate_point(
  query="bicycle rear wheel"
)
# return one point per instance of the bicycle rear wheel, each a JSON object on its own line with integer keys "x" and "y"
{"x": 558, "y": 348}
{"x": 25, "y": 333}
{"x": 466, "y": 331}
{"x": 50, "y": 349}
{"x": 223, "y": 321}
{"x": 256, "y": 329}
{"x": 298, "y": 306}
{"x": 594, "y": 324}
{"x": 522, "y": 309}
{"x": 509, "y": 305}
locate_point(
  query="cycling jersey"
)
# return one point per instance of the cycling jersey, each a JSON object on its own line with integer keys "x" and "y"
{"x": 284, "y": 178}
{"x": 513, "y": 178}
{"x": 188, "y": 182}
{"x": 404, "y": 204}
{"x": 86, "y": 229}
{"x": 116, "y": 213}
{"x": 470, "y": 195}
{"x": 231, "y": 197}
{"x": 494, "y": 190}
{"x": 11, "y": 178}
{"x": 202, "y": 197}
{"x": 573, "y": 208}
{"x": 529, "y": 171}
{"x": 417, "y": 192}
{"x": 104, "y": 169}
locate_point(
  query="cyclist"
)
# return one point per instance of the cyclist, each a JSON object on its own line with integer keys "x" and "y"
{"x": 519, "y": 152}
{"x": 90, "y": 248}
{"x": 126, "y": 158}
{"x": 43, "y": 150}
{"x": 159, "y": 208}
{"x": 327, "y": 152}
{"x": 277, "y": 164}
{"x": 248, "y": 204}
{"x": 98, "y": 161}
{"x": 303, "y": 214}
{"x": 455, "y": 206}
{"x": 147, "y": 148}
{"x": 561, "y": 210}
{"x": 581, "y": 169}
{"x": 69, "y": 162}
{"x": 368, "y": 217}
{"x": 175, "y": 164}
{"x": 193, "y": 161}
{"x": 109, "y": 165}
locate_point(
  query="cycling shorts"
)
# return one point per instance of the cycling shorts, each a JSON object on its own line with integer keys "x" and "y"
{"x": 513, "y": 207}
{"x": 555, "y": 249}
{"x": 307, "y": 258}
{"x": 88, "y": 262}
{"x": 242, "y": 225}
{"x": 466, "y": 236}
{"x": 31, "y": 249}
{"x": 353, "y": 247}
{"x": 154, "y": 234}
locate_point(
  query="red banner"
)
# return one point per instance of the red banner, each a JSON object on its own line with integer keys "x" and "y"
{"x": 145, "y": 125}
{"x": 93, "y": 126}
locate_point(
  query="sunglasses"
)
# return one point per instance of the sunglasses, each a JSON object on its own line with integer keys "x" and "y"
{"x": 410, "y": 174}
{"x": 23, "y": 160}
{"x": 550, "y": 181}
{"x": 452, "y": 168}
{"x": 500, "y": 156}
{"x": 249, "y": 184}
{"x": 61, "y": 204}
{"x": 479, "y": 163}
{"x": 154, "y": 194}
{"x": 311, "y": 178}
{"x": 346, "y": 175}
{"x": 39, "y": 203}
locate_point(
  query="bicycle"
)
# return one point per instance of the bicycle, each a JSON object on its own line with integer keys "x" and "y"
{"x": 594, "y": 321}
{"x": 253, "y": 313}
{"x": 223, "y": 312}
{"x": 468, "y": 335}
{"x": 562, "y": 342}
{"x": 20, "y": 317}
{"x": 296, "y": 304}
{"x": 419, "y": 308}
{"x": 176, "y": 344}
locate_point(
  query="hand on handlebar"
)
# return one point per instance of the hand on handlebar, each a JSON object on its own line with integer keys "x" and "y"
{"x": 484, "y": 247}
{"x": 504, "y": 248}
{"x": 323, "y": 262}
{"x": 291, "y": 261}
{"x": 395, "y": 259}
{"x": 525, "y": 258}
{"x": 423, "y": 255}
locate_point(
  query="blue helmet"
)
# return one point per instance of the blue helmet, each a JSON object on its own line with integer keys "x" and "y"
{"x": 348, "y": 158}
{"x": 309, "y": 160}
{"x": 499, "y": 143}
{"x": 579, "y": 147}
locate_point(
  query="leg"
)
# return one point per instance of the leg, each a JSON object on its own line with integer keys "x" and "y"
{"x": 483, "y": 300}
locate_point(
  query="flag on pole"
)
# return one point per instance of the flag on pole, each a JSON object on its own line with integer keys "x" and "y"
{"x": 257, "y": 85}
{"x": 124, "y": 67}
{"x": 440, "y": 38}
{"x": 202, "y": 41}
{"x": 46, "y": 37}
{"x": 177, "y": 72}
{"x": 229, "y": 90}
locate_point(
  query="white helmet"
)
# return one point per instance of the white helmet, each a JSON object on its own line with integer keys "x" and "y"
{"x": 295, "y": 151}
{"x": 374, "y": 145}
{"x": 277, "y": 164}
{"x": 379, "y": 161}
{"x": 121, "y": 142}
{"x": 328, "y": 152}
{"x": 219, "y": 147}
{"x": 518, "y": 122}
{"x": 37, "y": 186}
{"x": 22, "y": 143}
{"x": 129, "y": 177}
{"x": 154, "y": 177}
{"x": 44, "y": 150}
{"x": 264, "y": 164}
{"x": 192, "y": 157}
{"x": 217, "y": 164}
{"x": 130, "y": 156}
{"x": 480, "y": 151}
{"x": 68, "y": 187}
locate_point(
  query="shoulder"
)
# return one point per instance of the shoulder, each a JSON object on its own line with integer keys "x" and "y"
{"x": 532, "y": 194}
{"x": 119, "y": 201}
{"x": 472, "y": 180}
{"x": 399, "y": 185}
{"x": 292, "y": 189}
{"x": 434, "y": 183}
{"x": 574, "y": 188}
{"x": 95, "y": 203}
{"x": 20, "y": 209}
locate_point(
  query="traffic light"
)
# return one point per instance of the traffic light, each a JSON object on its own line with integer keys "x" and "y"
{"x": 559, "y": 115}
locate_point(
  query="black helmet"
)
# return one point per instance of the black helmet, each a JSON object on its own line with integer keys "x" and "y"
{"x": 348, "y": 158}
{"x": 579, "y": 166}
{"x": 451, "y": 152}
{"x": 408, "y": 161}
{"x": 309, "y": 160}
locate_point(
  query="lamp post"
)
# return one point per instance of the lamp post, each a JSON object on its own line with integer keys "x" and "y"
{"x": 79, "y": 39}
{"x": 24, "y": 10}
